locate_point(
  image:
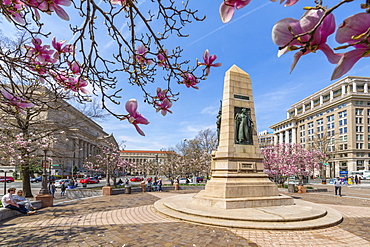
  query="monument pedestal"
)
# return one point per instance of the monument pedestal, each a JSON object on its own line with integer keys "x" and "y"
{"x": 107, "y": 191}
{"x": 238, "y": 190}
{"x": 46, "y": 200}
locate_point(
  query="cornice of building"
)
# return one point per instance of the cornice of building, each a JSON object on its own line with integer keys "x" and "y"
{"x": 346, "y": 80}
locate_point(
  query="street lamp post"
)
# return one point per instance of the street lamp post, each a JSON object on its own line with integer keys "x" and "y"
{"x": 5, "y": 171}
{"x": 44, "y": 189}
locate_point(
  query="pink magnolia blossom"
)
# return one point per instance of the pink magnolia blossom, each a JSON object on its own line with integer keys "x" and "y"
{"x": 74, "y": 67}
{"x": 350, "y": 31}
{"x": 51, "y": 6}
{"x": 76, "y": 84}
{"x": 190, "y": 80}
{"x": 162, "y": 94}
{"x": 164, "y": 106}
{"x": 120, "y": 2}
{"x": 208, "y": 61}
{"x": 287, "y": 3}
{"x": 227, "y": 8}
{"x": 14, "y": 8}
{"x": 15, "y": 101}
{"x": 282, "y": 35}
{"x": 58, "y": 46}
{"x": 141, "y": 52}
{"x": 40, "y": 52}
{"x": 162, "y": 58}
{"x": 135, "y": 117}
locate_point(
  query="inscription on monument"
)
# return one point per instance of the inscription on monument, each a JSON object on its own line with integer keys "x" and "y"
{"x": 236, "y": 96}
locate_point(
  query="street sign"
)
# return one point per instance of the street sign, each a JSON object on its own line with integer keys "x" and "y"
{"x": 45, "y": 164}
{"x": 343, "y": 173}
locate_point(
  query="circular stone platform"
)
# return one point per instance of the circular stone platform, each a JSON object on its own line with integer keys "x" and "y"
{"x": 300, "y": 216}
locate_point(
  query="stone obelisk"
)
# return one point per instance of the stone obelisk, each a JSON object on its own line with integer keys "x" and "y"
{"x": 238, "y": 180}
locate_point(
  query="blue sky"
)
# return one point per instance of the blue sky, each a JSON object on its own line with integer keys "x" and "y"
{"x": 246, "y": 42}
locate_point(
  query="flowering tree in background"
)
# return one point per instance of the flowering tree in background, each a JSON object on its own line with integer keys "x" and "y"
{"x": 108, "y": 161}
{"x": 309, "y": 34}
{"x": 284, "y": 160}
{"x": 136, "y": 35}
{"x": 25, "y": 149}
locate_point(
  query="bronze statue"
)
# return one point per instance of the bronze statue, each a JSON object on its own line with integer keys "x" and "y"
{"x": 243, "y": 127}
{"x": 218, "y": 123}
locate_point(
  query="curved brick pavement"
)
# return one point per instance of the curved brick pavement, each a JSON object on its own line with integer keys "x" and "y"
{"x": 130, "y": 220}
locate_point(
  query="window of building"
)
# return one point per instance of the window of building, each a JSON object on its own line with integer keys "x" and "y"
{"x": 320, "y": 128}
{"x": 359, "y": 137}
{"x": 330, "y": 118}
{"x": 359, "y": 111}
{"x": 320, "y": 121}
{"x": 360, "y": 165}
{"x": 359, "y": 129}
{"x": 360, "y": 154}
{"x": 343, "y": 130}
{"x": 342, "y": 114}
{"x": 342, "y": 105}
{"x": 359, "y": 102}
{"x": 359, "y": 146}
{"x": 310, "y": 125}
{"x": 358, "y": 120}
{"x": 342, "y": 122}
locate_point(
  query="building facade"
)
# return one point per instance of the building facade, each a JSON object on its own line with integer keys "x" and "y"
{"x": 337, "y": 117}
{"x": 265, "y": 139}
{"x": 148, "y": 160}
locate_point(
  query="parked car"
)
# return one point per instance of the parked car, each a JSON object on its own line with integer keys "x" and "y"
{"x": 8, "y": 179}
{"x": 136, "y": 179}
{"x": 58, "y": 183}
{"x": 36, "y": 180}
{"x": 90, "y": 180}
{"x": 183, "y": 181}
{"x": 52, "y": 179}
{"x": 200, "y": 179}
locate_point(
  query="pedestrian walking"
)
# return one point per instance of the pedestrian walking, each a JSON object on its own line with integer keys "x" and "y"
{"x": 356, "y": 179}
{"x": 53, "y": 188}
{"x": 63, "y": 188}
{"x": 338, "y": 186}
{"x": 159, "y": 184}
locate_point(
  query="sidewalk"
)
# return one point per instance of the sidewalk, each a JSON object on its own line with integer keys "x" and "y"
{"x": 130, "y": 220}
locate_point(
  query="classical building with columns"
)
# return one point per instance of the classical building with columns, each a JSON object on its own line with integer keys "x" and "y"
{"x": 145, "y": 158}
{"x": 83, "y": 138}
{"x": 338, "y": 115}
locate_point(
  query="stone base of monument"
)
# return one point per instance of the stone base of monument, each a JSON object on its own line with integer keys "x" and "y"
{"x": 299, "y": 216}
{"x": 231, "y": 190}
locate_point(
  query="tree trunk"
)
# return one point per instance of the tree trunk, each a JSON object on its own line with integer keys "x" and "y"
{"x": 26, "y": 181}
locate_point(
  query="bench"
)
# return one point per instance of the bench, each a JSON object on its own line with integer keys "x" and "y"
{"x": 6, "y": 213}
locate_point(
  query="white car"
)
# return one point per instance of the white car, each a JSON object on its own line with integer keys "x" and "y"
{"x": 184, "y": 181}
{"x": 58, "y": 183}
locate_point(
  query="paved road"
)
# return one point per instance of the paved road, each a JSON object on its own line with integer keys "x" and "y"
{"x": 130, "y": 220}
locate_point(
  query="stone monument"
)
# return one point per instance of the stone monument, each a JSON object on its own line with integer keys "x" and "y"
{"x": 240, "y": 194}
{"x": 238, "y": 180}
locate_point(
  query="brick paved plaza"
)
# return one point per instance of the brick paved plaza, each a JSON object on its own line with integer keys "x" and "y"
{"x": 130, "y": 220}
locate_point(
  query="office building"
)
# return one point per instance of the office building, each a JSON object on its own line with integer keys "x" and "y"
{"x": 337, "y": 118}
